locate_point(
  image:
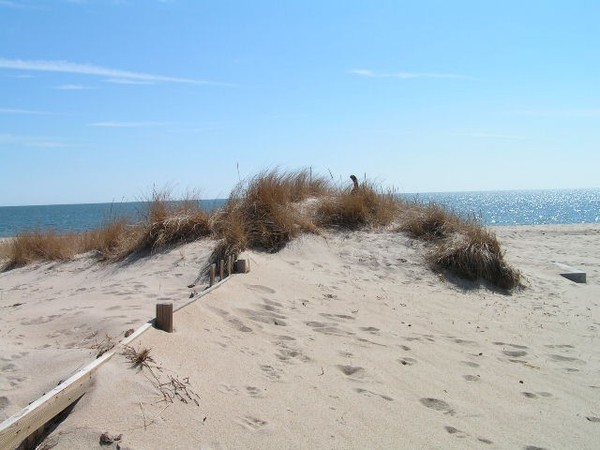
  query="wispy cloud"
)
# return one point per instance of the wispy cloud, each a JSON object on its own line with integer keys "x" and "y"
{"x": 72, "y": 87}
{"x": 485, "y": 135}
{"x": 407, "y": 75}
{"x": 127, "y": 124}
{"x": 104, "y": 72}
{"x": 564, "y": 113}
{"x": 128, "y": 81}
{"x": 22, "y": 111}
{"x": 32, "y": 141}
{"x": 9, "y": 4}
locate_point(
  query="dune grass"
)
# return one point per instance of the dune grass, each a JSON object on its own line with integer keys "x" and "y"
{"x": 365, "y": 207}
{"x": 167, "y": 223}
{"x": 474, "y": 253}
{"x": 269, "y": 210}
{"x": 35, "y": 246}
{"x": 264, "y": 212}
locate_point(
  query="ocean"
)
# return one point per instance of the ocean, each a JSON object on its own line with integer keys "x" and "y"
{"x": 490, "y": 207}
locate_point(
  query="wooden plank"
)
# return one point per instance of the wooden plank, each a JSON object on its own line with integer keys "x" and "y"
{"x": 17, "y": 428}
{"x": 571, "y": 273}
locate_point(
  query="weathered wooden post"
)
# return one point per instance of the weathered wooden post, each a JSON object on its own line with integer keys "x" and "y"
{"x": 211, "y": 274}
{"x": 229, "y": 264}
{"x": 242, "y": 266}
{"x": 221, "y": 270}
{"x": 164, "y": 316}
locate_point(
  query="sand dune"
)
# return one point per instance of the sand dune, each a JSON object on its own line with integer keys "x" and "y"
{"x": 340, "y": 341}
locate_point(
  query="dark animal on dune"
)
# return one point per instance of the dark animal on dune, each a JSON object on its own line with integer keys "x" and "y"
{"x": 355, "y": 181}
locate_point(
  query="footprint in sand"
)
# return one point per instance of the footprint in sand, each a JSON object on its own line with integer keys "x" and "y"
{"x": 354, "y": 372}
{"x": 560, "y": 346}
{"x": 289, "y": 355}
{"x": 253, "y": 391}
{"x": 371, "y": 393}
{"x": 407, "y": 361}
{"x": 520, "y": 347}
{"x": 437, "y": 405}
{"x": 251, "y": 423}
{"x": 560, "y": 358}
{"x": 372, "y": 330}
{"x": 465, "y": 342}
{"x": 228, "y": 389}
{"x": 470, "y": 364}
{"x": 455, "y": 432}
{"x": 515, "y": 353}
{"x": 471, "y": 378}
{"x": 260, "y": 288}
{"x": 4, "y": 402}
{"x": 271, "y": 373}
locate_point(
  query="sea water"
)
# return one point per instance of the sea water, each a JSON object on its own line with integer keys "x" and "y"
{"x": 75, "y": 218}
{"x": 491, "y": 208}
{"x": 535, "y": 207}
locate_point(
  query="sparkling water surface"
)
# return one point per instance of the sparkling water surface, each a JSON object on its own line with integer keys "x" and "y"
{"x": 490, "y": 207}
{"x": 521, "y": 207}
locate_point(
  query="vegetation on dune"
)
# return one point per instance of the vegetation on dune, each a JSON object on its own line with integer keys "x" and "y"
{"x": 30, "y": 247}
{"x": 359, "y": 208}
{"x": 268, "y": 211}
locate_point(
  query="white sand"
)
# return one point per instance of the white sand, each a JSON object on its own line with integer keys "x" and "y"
{"x": 343, "y": 342}
{"x": 54, "y": 316}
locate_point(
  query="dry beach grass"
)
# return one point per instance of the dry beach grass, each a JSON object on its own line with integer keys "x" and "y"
{"x": 269, "y": 210}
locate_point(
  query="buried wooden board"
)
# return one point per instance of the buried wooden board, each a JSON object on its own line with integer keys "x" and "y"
{"x": 19, "y": 427}
{"x": 571, "y": 273}
{"x": 16, "y": 429}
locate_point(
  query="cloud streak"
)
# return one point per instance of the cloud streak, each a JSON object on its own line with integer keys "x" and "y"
{"x": 9, "y": 4}
{"x": 407, "y": 75}
{"x": 109, "y": 74}
{"x": 72, "y": 87}
{"x": 127, "y": 124}
{"x": 23, "y": 111}
{"x": 32, "y": 141}
{"x": 563, "y": 113}
{"x": 484, "y": 135}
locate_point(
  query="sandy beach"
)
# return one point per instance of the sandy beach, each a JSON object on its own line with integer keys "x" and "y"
{"x": 345, "y": 340}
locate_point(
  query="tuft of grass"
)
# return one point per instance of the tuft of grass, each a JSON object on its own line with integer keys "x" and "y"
{"x": 166, "y": 223}
{"x": 138, "y": 358}
{"x": 108, "y": 240}
{"x": 35, "y": 246}
{"x": 433, "y": 222}
{"x": 474, "y": 253}
{"x": 363, "y": 207}
{"x": 264, "y": 213}
{"x": 460, "y": 246}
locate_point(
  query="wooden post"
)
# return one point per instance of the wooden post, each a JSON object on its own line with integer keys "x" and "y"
{"x": 242, "y": 266}
{"x": 221, "y": 270}
{"x": 164, "y": 316}
{"x": 229, "y": 265}
{"x": 211, "y": 274}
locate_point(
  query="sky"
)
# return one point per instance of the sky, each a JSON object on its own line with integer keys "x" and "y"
{"x": 104, "y": 100}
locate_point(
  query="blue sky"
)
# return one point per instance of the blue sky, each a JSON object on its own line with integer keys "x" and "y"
{"x": 101, "y": 100}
